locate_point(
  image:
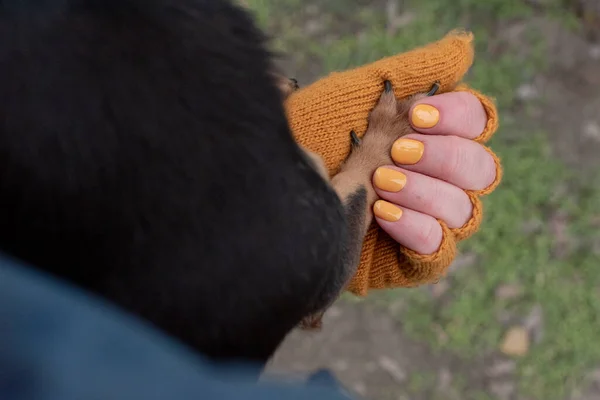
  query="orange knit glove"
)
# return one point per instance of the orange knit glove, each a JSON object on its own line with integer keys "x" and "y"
{"x": 322, "y": 115}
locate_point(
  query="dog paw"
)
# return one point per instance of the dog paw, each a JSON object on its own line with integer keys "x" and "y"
{"x": 312, "y": 322}
{"x": 388, "y": 121}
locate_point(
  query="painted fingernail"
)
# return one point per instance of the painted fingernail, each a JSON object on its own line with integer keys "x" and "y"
{"x": 387, "y": 211}
{"x": 425, "y": 116}
{"x": 389, "y": 180}
{"x": 407, "y": 151}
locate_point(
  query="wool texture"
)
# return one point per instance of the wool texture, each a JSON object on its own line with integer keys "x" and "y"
{"x": 322, "y": 114}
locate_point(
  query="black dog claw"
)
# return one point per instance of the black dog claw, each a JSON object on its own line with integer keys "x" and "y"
{"x": 434, "y": 89}
{"x": 388, "y": 86}
{"x": 355, "y": 138}
{"x": 295, "y": 82}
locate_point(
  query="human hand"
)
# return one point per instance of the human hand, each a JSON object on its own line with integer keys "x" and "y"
{"x": 433, "y": 171}
{"x": 322, "y": 114}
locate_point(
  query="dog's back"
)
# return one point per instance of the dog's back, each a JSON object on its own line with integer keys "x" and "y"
{"x": 145, "y": 155}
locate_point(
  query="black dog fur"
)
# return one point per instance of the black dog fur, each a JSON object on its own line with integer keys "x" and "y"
{"x": 145, "y": 156}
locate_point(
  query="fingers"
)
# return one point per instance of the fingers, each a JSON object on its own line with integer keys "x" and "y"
{"x": 458, "y": 161}
{"x": 412, "y": 229}
{"x": 433, "y": 169}
{"x": 423, "y": 194}
{"x": 455, "y": 113}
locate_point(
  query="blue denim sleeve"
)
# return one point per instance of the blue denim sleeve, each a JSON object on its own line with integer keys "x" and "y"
{"x": 60, "y": 343}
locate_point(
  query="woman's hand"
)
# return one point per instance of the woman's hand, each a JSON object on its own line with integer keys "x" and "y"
{"x": 432, "y": 170}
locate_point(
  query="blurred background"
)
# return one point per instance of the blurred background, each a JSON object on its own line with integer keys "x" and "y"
{"x": 519, "y": 315}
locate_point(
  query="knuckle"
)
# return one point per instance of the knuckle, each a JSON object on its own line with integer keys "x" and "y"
{"x": 470, "y": 113}
{"x": 455, "y": 156}
{"x": 431, "y": 203}
{"x": 449, "y": 203}
{"x": 430, "y": 235}
{"x": 464, "y": 104}
{"x": 464, "y": 209}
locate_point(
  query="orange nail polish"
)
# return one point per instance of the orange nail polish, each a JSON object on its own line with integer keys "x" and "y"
{"x": 389, "y": 180}
{"x": 407, "y": 151}
{"x": 387, "y": 211}
{"x": 425, "y": 116}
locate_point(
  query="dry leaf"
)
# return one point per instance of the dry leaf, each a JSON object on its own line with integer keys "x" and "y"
{"x": 391, "y": 367}
{"x": 516, "y": 342}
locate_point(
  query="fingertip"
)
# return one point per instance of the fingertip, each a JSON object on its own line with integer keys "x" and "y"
{"x": 455, "y": 113}
{"x": 490, "y": 172}
{"x": 418, "y": 232}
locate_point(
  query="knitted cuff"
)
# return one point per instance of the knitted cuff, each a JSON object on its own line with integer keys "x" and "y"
{"x": 499, "y": 175}
{"x": 474, "y": 223}
{"x": 490, "y": 110}
{"x": 409, "y": 267}
{"x": 472, "y": 226}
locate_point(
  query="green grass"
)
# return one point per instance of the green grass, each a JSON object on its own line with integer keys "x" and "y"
{"x": 516, "y": 243}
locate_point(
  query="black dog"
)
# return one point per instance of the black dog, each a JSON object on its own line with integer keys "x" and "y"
{"x": 145, "y": 156}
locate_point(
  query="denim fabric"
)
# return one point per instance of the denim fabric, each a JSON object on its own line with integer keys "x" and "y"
{"x": 59, "y": 343}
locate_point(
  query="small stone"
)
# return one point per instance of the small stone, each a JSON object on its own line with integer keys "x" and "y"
{"x": 516, "y": 342}
{"x": 392, "y": 368}
{"x": 360, "y": 388}
{"x": 591, "y": 130}
{"x": 595, "y": 52}
{"x": 509, "y": 291}
{"x": 527, "y": 91}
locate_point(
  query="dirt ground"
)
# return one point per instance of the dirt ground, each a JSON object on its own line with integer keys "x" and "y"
{"x": 363, "y": 343}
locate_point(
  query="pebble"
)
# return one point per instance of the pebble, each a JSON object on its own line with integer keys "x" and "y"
{"x": 595, "y": 52}
{"x": 360, "y": 388}
{"x": 527, "y": 91}
{"x": 392, "y": 368}
{"x": 591, "y": 130}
